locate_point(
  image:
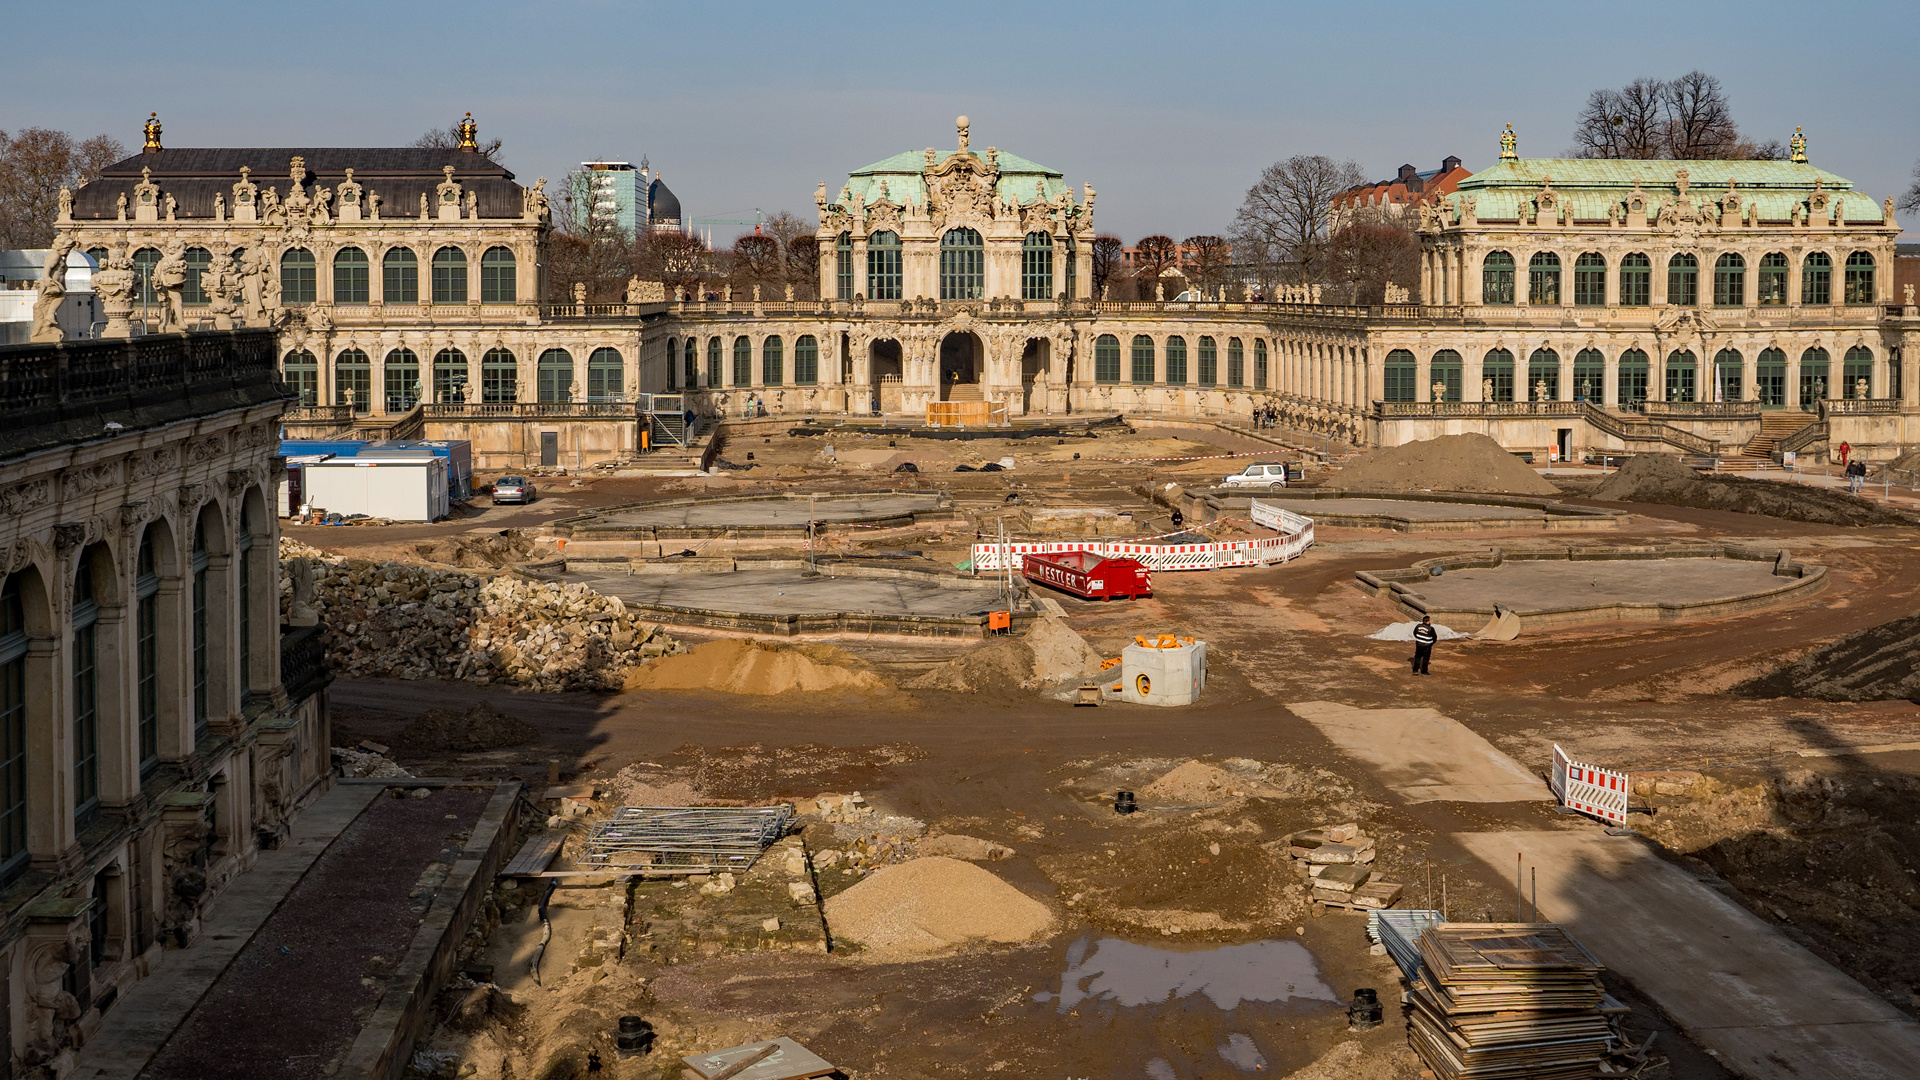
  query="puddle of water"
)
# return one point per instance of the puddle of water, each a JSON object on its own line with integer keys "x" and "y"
{"x": 1240, "y": 1053}
{"x": 1159, "y": 1069}
{"x": 1127, "y": 973}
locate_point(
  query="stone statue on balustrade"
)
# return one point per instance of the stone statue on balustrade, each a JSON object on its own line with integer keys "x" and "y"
{"x": 1486, "y": 389}
{"x": 114, "y": 285}
{"x": 1439, "y": 389}
{"x": 221, "y": 282}
{"x": 52, "y": 293}
{"x": 1540, "y": 390}
{"x": 169, "y": 283}
{"x": 255, "y": 269}
{"x": 1860, "y": 389}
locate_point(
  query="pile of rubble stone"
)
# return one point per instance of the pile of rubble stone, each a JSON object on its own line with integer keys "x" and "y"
{"x": 1337, "y": 862}
{"x": 403, "y": 621}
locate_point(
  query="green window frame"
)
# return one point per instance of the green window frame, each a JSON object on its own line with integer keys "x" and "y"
{"x": 1399, "y": 377}
{"x": 716, "y": 375}
{"x": 1106, "y": 359}
{"x": 773, "y": 363}
{"x": 1636, "y": 280}
{"x": 1498, "y": 366}
{"x": 1447, "y": 367}
{"x": 1544, "y": 366}
{"x": 302, "y": 373}
{"x": 1729, "y": 375}
{"x": 1683, "y": 281}
{"x": 1259, "y": 364}
{"x": 1857, "y": 365}
{"x": 1681, "y": 370}
{"x": 1176, "y": 361}
{"x": 842, "y": 266}
{"x": 353, "y": 381}
{"x": 451, "y": 376}
{"x": 400, "y": 377}
{"x": 1772, "y": 283}
{"x": 884, "y": 278}
{"x": 806, "y": 361}
{"x": 1209, "y": 362}
{"x": 1589, "y": 375}
{"x": 299, "y": 277}
{"x": 692, "y": 363}
{"x": 1496, "y": 278}
{"x": 86, "y": 693}
{"x": 1632, "y": 388}
{"x": 1770, "y": 375}
{"x": 1729, "y": 281}
{"x": 1543, "y": 279}
{"x": 553, "y": 377}
{"x": 499, "y": 377}
{"x": 1590, "y": 280}
{"x": 1071, "y": 257}
{"x": 449, "y": 276}
{"x": 606, "y": 375}
{"x": 352, "y": 275}
{"x": 199, "y": 260}
{"x": 1236, "y": 363}
{"x": 144, "y": 261}
{"x": 963, "y": 265}
{"x": 400, "y": 276}
{"x": 742, "y": 362}
{"x": 13, "y": 728}
{"x": 1142, "y": 368}
{"x": 1815, "y": 374}
{"x": 1857, "y": 286}
{"x": 1816, "y": 279}
{"x": 146, "y": 651}
{"x": 1036, "y": 267}
{"x": 499, "y": 276}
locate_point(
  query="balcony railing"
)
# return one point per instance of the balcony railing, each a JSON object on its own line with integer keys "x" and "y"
{"x": 1860, "y": 406}
{"x": 1718, "y": 410}
{"x": 303, "y": 661}
{"x": 530, "y": 410}
{"x": 1477, "y": 409}
{"x": 341, "y": 415}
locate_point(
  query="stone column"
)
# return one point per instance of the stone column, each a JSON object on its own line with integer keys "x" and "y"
{"x": 1566, "y": 376}
{"x": 1793, "y": 372}
{"x": 1657, "y": 372}
{"x": 1749, "y": 373}
{"x": 1910, "y": 368}
{"x": 860, "y": 286}
{"x": 1471, "y": 366}
{"x": 1879, "y": 385}
{"x": 1426, "y": 277}
{"x": 1472, "y": 293}
{"x": 1610, "y": 380}
{"x": 1422, "y": 378}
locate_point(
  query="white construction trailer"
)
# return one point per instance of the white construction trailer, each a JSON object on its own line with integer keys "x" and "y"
{"x": 398, "y": 489}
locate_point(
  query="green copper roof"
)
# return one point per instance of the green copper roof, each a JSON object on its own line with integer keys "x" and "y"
{"x": 1591, "y": 186}
{"x": 903, "y": 176}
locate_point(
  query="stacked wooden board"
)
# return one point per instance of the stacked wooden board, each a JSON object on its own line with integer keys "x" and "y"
{"x": 1506, "y": 1001}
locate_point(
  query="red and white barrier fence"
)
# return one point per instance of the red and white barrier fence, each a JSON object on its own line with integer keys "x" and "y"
{"x": 1296, "y": 537}
{"x": 1594, "y": 791}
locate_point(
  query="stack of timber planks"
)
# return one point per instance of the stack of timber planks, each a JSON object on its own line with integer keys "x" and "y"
{"x": 1505, "y": 1001}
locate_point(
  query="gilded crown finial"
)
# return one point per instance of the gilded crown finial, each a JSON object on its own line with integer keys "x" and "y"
{"x": 152, "y": 131}
{"x": 1797, "y": 148}
{"x": 469, "y": 134}
{"x": 1509, "y": 145}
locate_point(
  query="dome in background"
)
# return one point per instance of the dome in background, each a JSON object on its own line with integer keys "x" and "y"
{"x": 662, "y": 204}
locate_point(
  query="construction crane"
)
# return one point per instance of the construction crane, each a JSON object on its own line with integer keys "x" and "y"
{"x": 709, "y": 222}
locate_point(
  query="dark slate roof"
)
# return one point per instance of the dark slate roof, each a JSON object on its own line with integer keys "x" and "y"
{"x": 399, "y": 175}
{"x": 665, "y": 205}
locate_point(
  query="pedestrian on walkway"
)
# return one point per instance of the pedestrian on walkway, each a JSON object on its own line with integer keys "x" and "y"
{"x": 1856, "y": 475}
{"x": 1846, "y": 451}
{"x": 1424, "y": 635}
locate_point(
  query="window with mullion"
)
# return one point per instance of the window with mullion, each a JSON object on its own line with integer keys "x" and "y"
{"x": 1142, "y": 359}
{"x": 1497, "y": 368}
{"x": 1209, "y": 362}
{"x": 499, "y": 377}
{"x": 772, "y": 361}
{"x": 1176, "y": 361}
{"x": 450, "y": 375}
{"x": 449, "y": 276}
{"x": 1036, "y": 267}
{"x": 147, "y": 659}
{"x": 1816, "y": 279}
{"x": 1636, "y": 281}
{"x": 842, "y": 266}
{"x": 1236, "y": 363}
{"x": 198, "y": 260}
{"x": 1729, "y": 281}
{"x": 400, "y": 277}
{"x": 1496, "y": 278}
{"x": 1401, "y": 372}
{"x": 806, "y": 361}
{"x": 715, "y": 377}
{"x": 1589, "y": 374}
{"x": 86, "y": 697}
{"x": 401, "y": 379}
{"x": 883, "y": 266}
{"x": 1858, "y": 284}
{"x": 963, "y": 265}
{"x": 1683, "y": 281}
{"x": 742, "y": 362}
{"x": 298, "y": 284}
{"x": 497, "y": 276}
{"x": 1543, "y": 279}
{"x": 1106, "y": 359}
{"x": 351, "y": 284}
{"x": 1590, "y": 280}
{"x": 1773, "y": 279}
{"x": 606, "y": 375}
{"x": 202, "y": 708}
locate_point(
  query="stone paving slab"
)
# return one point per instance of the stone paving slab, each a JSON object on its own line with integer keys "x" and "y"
{"x": 764, "y": 512}
{"x": 1422, "y": 755}
{"x": 1548, "y": 585}
{"x": 784, "y": 592}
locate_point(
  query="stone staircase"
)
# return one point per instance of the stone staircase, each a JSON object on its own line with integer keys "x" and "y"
{"x": 1774, "y": 426}
{"x": 966, "y": 391}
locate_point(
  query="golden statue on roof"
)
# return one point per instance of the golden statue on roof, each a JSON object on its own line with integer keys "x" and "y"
{"x": 469, "y": 134}
{"x": 152, "y": 132}
{"x": 1509, "y": 145}
{"x": 1797, "y": 148}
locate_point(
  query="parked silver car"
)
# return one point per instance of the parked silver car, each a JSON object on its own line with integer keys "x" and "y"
{"x": 513, "y": 489}
{"x": 1270, "y": 476}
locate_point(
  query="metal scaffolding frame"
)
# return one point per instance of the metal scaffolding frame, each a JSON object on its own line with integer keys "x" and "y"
{"x": 685, "y": 840}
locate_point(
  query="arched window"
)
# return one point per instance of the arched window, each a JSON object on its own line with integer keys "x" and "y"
{"x": 143, "y": 263}
{"x": 400, "y": 276}
{"x": 85, "y": 657}
{"x": 1073, "y": 267}
{"x": 1177, "y": 361}
{"x": 1497, "y": 368}
{"x": 13, "y": 724}
{"x": 200, "y": 561}
{"x": 1036, "y": 267}
{"x": 1680, "y": 375}
{"x": 1142, "y": 370}
{"x": 353, "y": 381}
{"x": 1858, "y": 286}
{"x": 1590, "y": 280}
{"x": 1636, "y": 280}
{"x": 1446, "y": 369}
{"x": 1816, "y": 279}
{"x": 1543, "y": 367}
{"x": 351, "y": 276}
{"x": 553, "y": 377}
{"x": 297, "y": 277}
{"x": 198, "y": 259}
{"x": 1543, "y": 278}
{"x": 1589, "y": 375}
{"x": 449, "y": 276}
{"x": 498, "y": 277}
{"x": 742, "y": 362}
{"x": 692, "y": 364}
{"x": 1402, "y": 375}
{"x": 303, "y": 375}
{"x": 99, "y": 257}
{"x": 1813, "y": 377}
{"x": 1683, "y": 282}
{"x": 1106, "y": 359}
{"x": 1729, "y": 375}
{"x": 146, "y": 650}
{"x": 499, "y": 377}
{"x": 1236, "y": 363}
{"x": 1208, "y": 362}
{"x": 842, "y": 266}
{"x": 1634, "y": 369}
{"x": 963, "y": 265}
{"x": 806, "y": 361}
{"x": 1770, "y": 374}
{"x": 1773, "y": 279}
{"x": 401, "y": 380}
{"x": 1259, "y": 364}
{"x": 772, "y": 361}
{"x": 606, "y": 379}
{"x": 1496, "y": 278}
{"x": 883, "y": 266}
{"x": 450, "y": 376}
{"x": 1856, "y": 373}
{"x": 715, "y": 376}
{"x": 1729, "y": 281}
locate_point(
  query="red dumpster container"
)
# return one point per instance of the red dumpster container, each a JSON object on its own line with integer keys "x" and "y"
{"x": 1088, "y": 574}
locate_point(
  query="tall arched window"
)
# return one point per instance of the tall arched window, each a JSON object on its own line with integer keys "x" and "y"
{"x": 1773, "y": 279}
{"x": 198, "y": 259}
{"x": 146, "y": 650}
{"x": 449, "y": 276}
{"x": 806, "y": 361}
{"x": 400, "y": 276}
{"x": 1543, "y": 367}
{"x": 963, "y": 265}
{"x": 715, "y": 377}
{"x": 742, "y": 362}
{"x": 303, "y": 375}
{"x": 298, "y": 277}
{"x": 553, "y": 377}
{"x": 1106, "y": 359}
{"x": 1073, "y": 267}
{"x": 353, "y": 381}
{"x": 883, "y": 266}
{"x": 450, "y": 376}
{"x": 1859, "y": 280}
{"x": 1036, "y": 267}
{"x": 1208, "y": 362}
{"x": 1680, "y": 375}
{"x": 200, "y": 562}
{"x": 1590, "y": 280}
{"x": 1496, "y": 278}
{"x": 842, "y": 265}
{"x": 1729, "y": 281}
{"x": 1401, "y": 372}
{"x": 498, "y": 282}
{"x": 1683, "y": 282}
{"x": 1236, "y": 363}
{"x": 85, "y": 658}
{"x": 1543, "y": 278}
{"x": 692, "y": 363}
{"x": 1446, "y": 369}
{"x": 1497, "y": 368}
{"x": 1770, "y": 375}
{"x": 1589, "y": 375}
{"x": 1636, "y": 280}
{"x": 1259, "y": 364}
{"x": 499, "y": 377}
{"x": 143, "y": 263}
{"x": 1177, "y": 361}
{"x": 401, "y": 380}
{"x": 1634, "y": 369}
{"x": 1856, "y": 373}
{"x": 351, "y": 276}
{"x": 606, "y": 375}
{"x": 13, "y": 724}
{"x": 1729, "y": 375}
{"x": 1142, "y": 368}
{"x": 1814, "y": 366}
{"x": 1816, "y": 279}
{"x": 772, "y": 361}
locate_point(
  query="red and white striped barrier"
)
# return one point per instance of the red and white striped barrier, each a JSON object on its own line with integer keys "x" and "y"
{"x": 1214, "y": 556}
{"x": 1203, "y": 457}
{"x": 1594, "y": 791}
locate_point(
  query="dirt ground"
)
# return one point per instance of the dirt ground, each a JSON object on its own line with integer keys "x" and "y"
{"x": 1834, "y": 869}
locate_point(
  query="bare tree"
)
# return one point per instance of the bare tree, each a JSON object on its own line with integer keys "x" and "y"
{"x": 1623, "y": 123}
{"x": 448, "y": 138}
{"x": 587, "y": 246}
{"x": 756, "y": 261}
{"x": 1285, "y": 217}
{"x": 1371, "y": 250}
{"x": 35, "y": 163}
{"x": 675, "y": 259}
{"x": 1152, "y": 255}
{"x": 799, "y": 253}
{"x": 1211, "y": 257}
{"x": 1910, "y": 202}
{"x": 1105, "y": 255}
{"x": 1685, "y": 118}
{"x": 1699, "y": 122}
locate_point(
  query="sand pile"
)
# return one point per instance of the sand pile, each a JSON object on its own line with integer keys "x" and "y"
{"x": 1050, "y": 652}
{"x": 1192, "y": 782}
{"x": 760, "y": 668}
{"x": 1880, "y": 663}
{"x": 1653, "y": 478}
{"x": 928, "y": 905}
{"x": 1448, "y": 463}
{"x": 480, "y": 727}
{"x": 970, "y": 848}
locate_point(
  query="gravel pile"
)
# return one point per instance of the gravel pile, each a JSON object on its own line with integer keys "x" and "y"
{"x": 1448, "y": 463}
{"x": 402, "y": 621}
{"x": 933, "y": 904}
{"x": 1880, "y": 663}
{"x": 1652, "y": 478}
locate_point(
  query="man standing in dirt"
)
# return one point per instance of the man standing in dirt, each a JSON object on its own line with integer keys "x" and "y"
{"x": 1424, "y": 636}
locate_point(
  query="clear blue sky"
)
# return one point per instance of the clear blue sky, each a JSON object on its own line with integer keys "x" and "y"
{"x": 1169, "y": 109}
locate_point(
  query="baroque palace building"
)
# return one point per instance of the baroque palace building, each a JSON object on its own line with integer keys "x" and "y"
{"x": 1571, "y": 305}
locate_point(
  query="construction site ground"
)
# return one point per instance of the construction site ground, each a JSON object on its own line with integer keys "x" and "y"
{"x": 1789, "y": 840}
